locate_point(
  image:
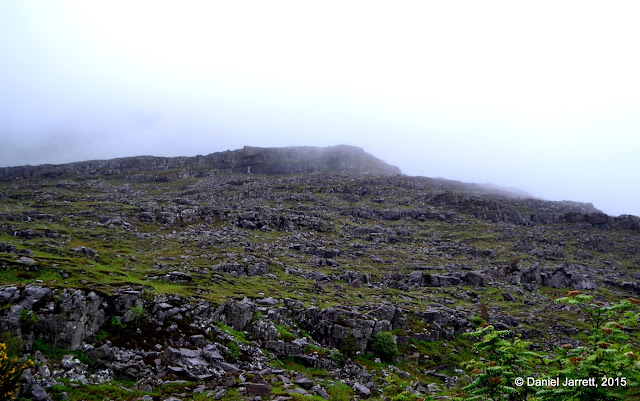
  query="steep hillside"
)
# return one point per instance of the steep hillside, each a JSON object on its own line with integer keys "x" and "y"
{"x": 241, "y": 274}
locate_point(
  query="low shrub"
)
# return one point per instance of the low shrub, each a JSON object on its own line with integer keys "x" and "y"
{"x": 10, "y": 373}
{"x": 385, "y": 346}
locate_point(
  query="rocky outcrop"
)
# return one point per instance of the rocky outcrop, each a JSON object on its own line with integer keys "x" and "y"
{"x": 155, "y": 340}
{"x": 248, "y": 160}
{"x": 564, "y": 276}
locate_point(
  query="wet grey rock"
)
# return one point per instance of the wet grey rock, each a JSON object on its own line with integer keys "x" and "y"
{"x": 178, "y": 277}
{"x": 9, "y": 294}
{"x": 267, "y": 301}
{"x": 563, "y": 276}
{"x": 298, "y": 390}
{"x": 227, "y": 367}
{"x": 32, "y": 294}
{"x": 361, "y": 390}
{"x": 26, "y": 261}
{"x": 304, "y": 382}
{"x": 435, "y": 280}
{"x": 239, "y": 269}
{"x": 416, "y": 278}
{"x": 296, "y": 347}
{"x": 631, "y": 286}
{"x": 44, "y": 371}
{"x": 320, "y": 391}
{"x": 86, "y": 252}
{"x": 39, "y": 394}
{"x": 257, "y": 389}
{"x": 264, "y": 330}
{"x": 197, "y": 340}
{"x": 474, "y": 278}
{"x": 385, "y": 312}
{"x": 238, "y": 313}
{"x": 68, "y": 362}
{"x": 102, "y": 353}
{"x": 277, "y": 347}
{"x": 211, "y": 353}
{"x": 509, "y": 297}
{"x": 8, "y": 248}
{"x": 26, "y": 252}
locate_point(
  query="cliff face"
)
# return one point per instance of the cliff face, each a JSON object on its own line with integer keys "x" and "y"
{"x": 254, "y": 160}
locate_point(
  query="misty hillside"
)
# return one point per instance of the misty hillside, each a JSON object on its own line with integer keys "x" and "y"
{"x": 268, "y": 273}
{"x": 269, "y": 161}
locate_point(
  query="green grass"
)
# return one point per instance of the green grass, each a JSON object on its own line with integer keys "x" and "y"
{"x": 339, "y": 392}
{"x": 290, "y": 363}
{"x": 96, "y": 392}
{"x": 285, "y": 334}
{"x": 57, "y": 353}
{"x": 238, "y": 335}
{"x": 124, "y": 390}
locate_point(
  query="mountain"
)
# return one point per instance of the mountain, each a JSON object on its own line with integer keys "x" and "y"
{"x": 269, "y": 272}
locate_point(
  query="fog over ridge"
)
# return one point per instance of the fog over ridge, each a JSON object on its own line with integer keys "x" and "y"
{"x": 477, "y": 94}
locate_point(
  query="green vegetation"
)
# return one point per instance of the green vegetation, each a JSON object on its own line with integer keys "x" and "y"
{"x": 233, "y": 351}
{"x": 503, "y": 360}
{"x": 125, "y": 391}
{"x": 13, "y": 344}
{"x": 116, "y": 323}
{"x": 10, "y": 373}
{"x": 285, "y": 334}
{"x": 28, "y": 319}
{"x": 238, "y": 335}
{"x": 136, "y": 313}
{"x": 96, "y": 392}
{"x": 340, "y": 392}
{"x": 336, "y": 356}
{"x": 58, "y": 354}
{"x": 291, "y": 363}
{"x": 349, "y": 345}
{"x": 606, "y": 368}
{"x": 384, "y": 345}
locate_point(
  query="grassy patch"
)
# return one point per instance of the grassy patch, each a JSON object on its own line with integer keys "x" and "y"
{"x": 57, "y": 353}
{"x": 238, "y": 335}
{"x": 285, "y": 334}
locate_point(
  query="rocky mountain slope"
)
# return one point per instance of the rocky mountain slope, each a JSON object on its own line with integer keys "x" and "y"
{"x": 290, "y": 160}
{"x": 267, "y": 274}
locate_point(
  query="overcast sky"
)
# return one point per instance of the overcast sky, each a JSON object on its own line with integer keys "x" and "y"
{"x": 543, "y": 96}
